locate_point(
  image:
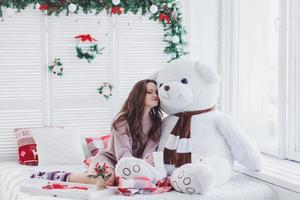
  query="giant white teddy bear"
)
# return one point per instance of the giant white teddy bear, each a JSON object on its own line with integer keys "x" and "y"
{"x": 199, "y": 143}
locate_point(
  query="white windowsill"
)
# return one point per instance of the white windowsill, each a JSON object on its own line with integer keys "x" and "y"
{"x": 282, "y": 173}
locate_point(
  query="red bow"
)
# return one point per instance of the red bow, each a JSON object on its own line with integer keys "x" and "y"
{"x": 164, "y": 17}
{"x": 116, "y": 10}
{"x": 85, "y": 37}
{"x": 44, "y": 7}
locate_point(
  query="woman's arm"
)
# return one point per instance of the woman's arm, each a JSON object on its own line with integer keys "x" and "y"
{"x": 122, "y": 142}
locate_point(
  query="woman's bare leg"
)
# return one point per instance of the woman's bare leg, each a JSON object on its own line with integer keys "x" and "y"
{"x": 81, "y": 178}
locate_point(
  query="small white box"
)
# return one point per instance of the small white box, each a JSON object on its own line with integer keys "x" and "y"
{"x": 35, "y": 189}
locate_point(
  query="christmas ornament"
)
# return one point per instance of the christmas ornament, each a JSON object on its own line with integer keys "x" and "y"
{"x": 116, "y": 10}
{"x": 44, "y": 8}
{"x": 164, "y": 18}
{"x": 90, "y": 51}
{"x": 56, "y": 68}
{"x": 105, "y": 90}
{"x": 153, "y": 9}
{"x": 72, "y": 8}
{"x": 175, "y": 39}
{"x": 116, "y": 2}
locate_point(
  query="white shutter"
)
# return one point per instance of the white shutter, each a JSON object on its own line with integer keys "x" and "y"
{"x": 140, "y": 50}
{"x": 21, "y": 77}
{"x": 75, "y": 100}
{"x": 30, "y": 96}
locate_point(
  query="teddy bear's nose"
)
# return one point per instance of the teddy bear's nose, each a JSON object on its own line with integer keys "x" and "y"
{"x": 167, "y": 87}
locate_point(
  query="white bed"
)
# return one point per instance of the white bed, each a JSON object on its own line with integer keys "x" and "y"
{"x": 13, "y": 175}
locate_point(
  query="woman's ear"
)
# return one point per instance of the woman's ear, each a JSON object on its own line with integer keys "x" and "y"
{"x": 207, "y": 73}
{"x": 154, "y": 75}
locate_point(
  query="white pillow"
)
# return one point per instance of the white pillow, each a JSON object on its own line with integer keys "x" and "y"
{"x": 58, "y": 146}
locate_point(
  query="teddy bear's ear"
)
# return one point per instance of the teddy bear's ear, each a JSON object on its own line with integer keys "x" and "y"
{"x": 154, "y": 75}
{"x": 208, "y": 73}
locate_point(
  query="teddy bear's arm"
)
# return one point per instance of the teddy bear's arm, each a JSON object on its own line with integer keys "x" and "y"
{"x": 241, "y": 147}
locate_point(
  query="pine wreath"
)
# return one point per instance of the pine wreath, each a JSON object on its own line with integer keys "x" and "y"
{"x": 92, "y": 49}
{"x": 167, "y": 12}
{"x": 105, "y": 90}
{"x": 57, "y": 67}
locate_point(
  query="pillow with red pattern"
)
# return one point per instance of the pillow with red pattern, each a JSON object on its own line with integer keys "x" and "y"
{"x": 95, "y": 144}
{"x": 26, "y": 146}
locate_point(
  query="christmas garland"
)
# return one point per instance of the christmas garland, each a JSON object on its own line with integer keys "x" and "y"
{"x": 167, "y": 12}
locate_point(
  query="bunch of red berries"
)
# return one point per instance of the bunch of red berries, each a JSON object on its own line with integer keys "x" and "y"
{"x": 101, "y": 170}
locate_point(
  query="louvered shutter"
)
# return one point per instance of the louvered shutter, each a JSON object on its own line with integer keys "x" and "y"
{"x": 22, "y": 75}
{"x": 140, "y": 50}
{"x": 75, "y": 100}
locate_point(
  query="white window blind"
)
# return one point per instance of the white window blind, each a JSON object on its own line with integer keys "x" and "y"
{"x": 30, "y": 96}
{"x": 22, "y": 73}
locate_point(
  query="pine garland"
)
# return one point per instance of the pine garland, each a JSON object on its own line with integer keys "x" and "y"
{"x": 168, "y": 14}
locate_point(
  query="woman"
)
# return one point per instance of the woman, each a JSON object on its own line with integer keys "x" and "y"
{"x": 135, "y": 132}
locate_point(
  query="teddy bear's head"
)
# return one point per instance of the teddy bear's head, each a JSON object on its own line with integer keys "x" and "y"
{"x": 187, "y": 86}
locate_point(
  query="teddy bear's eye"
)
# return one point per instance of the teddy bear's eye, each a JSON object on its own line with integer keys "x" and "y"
{"x": 160, "y": 85}
{"x": 184, "y": 81}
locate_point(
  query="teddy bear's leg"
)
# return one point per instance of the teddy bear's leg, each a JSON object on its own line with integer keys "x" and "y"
{"x": 203, "y": 176}
{"x": 131, "y": 167}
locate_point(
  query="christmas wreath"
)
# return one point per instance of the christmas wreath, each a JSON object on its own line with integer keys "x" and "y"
{"x": 167, "y": 12}
{"x": 105, "y": 90}
{"x": 90, "y": 51}
{"x": 57, "y": 67}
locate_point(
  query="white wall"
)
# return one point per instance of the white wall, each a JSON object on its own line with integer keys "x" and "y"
{"x": 204, "y": 31}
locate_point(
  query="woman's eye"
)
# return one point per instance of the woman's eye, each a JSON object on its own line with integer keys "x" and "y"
{"x": 184, "y": 81}
{"x": 160, "y": 85}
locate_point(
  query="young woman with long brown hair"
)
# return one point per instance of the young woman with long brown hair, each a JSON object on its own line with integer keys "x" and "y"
{"x": 135, "y": 132}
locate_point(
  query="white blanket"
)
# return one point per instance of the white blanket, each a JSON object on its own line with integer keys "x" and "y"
{"x": 13, "y": 175}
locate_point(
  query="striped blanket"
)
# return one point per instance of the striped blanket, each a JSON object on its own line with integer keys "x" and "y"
{"x": 142, "y": 185}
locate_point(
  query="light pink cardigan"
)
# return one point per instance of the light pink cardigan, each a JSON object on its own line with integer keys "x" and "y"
{"x": 120, "y": 145}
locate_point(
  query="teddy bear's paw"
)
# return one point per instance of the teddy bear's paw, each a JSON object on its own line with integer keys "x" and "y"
{"x": 133, "y": 167}
{"x": 191, "y": 179}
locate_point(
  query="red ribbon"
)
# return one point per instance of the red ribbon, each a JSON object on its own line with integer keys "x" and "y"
{"x": 85, "y": 37}
{"x": 116, "y": 10}
{"x": 164, "y": 17}
{"x": 44, "y": 7}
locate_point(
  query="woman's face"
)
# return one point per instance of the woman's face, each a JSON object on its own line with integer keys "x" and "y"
{"x": 151, "y": 99}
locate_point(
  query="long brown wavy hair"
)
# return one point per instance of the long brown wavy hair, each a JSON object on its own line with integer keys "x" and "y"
{"x": 132, "y": 112}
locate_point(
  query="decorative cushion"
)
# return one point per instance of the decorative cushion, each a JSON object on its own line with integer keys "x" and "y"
{"x": 26, "y": 146}
{"x": 95, "y": 144}
{"x": 58, "y": 146}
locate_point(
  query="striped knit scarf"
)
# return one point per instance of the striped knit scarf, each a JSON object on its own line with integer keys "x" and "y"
{"x": 177, "y": 150}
